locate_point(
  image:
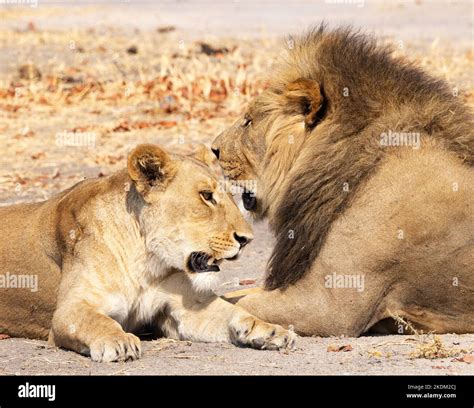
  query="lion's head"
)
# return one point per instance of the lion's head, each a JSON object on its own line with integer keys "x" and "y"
{"x": 187, "y": 219}
{"x": 261, "y": 147}
{"x": 303, "y": 146}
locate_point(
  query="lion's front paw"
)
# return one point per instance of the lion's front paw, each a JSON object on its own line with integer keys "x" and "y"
{"x": 255, "y": 333}
{"x": 116, "y": 348}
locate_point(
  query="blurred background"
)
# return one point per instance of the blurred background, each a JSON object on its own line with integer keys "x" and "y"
{"x": 82, "y": 82}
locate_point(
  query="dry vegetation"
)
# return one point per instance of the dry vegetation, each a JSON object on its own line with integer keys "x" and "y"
{"x": 430, "y": 346}
{"x": 74, "y": 102}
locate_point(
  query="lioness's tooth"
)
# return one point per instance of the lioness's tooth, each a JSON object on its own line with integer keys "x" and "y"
{"x": 210, "y": 261}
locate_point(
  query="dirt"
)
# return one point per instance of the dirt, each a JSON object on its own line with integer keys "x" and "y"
{"x": 381, "y": 355}
{"x": 20, "y": 357}
{"x": 82, "y": 81}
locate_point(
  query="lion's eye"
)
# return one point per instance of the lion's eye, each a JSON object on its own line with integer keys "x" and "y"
{"x": 247, "y": 120}
{"x": 208, "y": 196}
{"x": 306, "y": 108}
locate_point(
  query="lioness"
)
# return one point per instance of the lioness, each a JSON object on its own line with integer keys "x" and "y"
{"x": 364, "y": 170}
{"x": 139, "y": 247}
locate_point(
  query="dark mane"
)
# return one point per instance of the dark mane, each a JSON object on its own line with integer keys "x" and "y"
{"x": 383, "y": 94}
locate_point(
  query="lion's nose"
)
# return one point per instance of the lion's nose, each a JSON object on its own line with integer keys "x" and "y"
{"x": 216, "y": 151}
{"x": 242, "y": 240}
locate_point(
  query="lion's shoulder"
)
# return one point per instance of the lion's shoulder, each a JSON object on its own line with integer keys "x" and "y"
{"x": 383, "y": 93}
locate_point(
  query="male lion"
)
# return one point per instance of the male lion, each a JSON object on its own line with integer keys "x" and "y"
{"x": 364, "y": 169}
{"x": 139, "y": 247}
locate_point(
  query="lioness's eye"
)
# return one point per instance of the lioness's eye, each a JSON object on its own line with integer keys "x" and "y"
{"x": 207, "y": 195}
{"x": 247, "y": 120}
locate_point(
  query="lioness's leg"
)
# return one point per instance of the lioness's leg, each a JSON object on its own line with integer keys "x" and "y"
{"x": 83, "y": 328}
{"x": 198, "y": 316}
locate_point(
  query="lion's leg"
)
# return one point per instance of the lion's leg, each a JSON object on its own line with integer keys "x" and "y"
{"x": 204, "y": 317}
{"x": 407, "y": 241}
{"x": 314, "y": 310}
{"x": 346, "y": 290}
{"x": 83, "y": 328}
{"x": 349, "y": 287}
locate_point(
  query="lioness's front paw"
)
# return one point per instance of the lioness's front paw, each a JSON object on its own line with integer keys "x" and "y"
{"x": 258, "y": 334}
{"x": 116, "y": 348}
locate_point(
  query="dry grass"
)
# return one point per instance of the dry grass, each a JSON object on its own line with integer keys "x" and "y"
{"x": 84, "y": 83}
{"x": 429, "y": 345}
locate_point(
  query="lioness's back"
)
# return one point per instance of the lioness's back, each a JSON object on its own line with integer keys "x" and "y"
{"x": 43, "y": 230}
{"x": 30, "y": 283}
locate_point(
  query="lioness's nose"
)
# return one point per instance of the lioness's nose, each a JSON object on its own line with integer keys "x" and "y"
{"x": 242, "y": 239}
{"x": 216, "y": 151}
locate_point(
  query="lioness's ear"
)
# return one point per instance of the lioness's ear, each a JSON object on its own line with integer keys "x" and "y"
{"x": 303, "y": 96}
{"x": 149, "y": 166}
{"x": 203, "y": 154}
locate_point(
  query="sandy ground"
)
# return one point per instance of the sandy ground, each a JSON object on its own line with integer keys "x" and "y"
{"x": 100, "y": 79}
{"x": 385, "y": 355}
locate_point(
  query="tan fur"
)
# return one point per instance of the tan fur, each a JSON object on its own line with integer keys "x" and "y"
{"x": 111, "y": 256}
{"x": 340, "y": 202}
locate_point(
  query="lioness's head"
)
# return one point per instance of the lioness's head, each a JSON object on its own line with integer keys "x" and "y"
{"x": 188, "y": 221}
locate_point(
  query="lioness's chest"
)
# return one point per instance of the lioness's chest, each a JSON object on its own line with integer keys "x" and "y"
{"x": 137, "y": 295}
{"x": 135, "y": 311}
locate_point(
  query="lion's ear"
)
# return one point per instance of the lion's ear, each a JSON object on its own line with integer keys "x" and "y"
{"x": 304, "y": 96}
{"x": 204, "y": 155}
{"x": 149, "y": 166}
